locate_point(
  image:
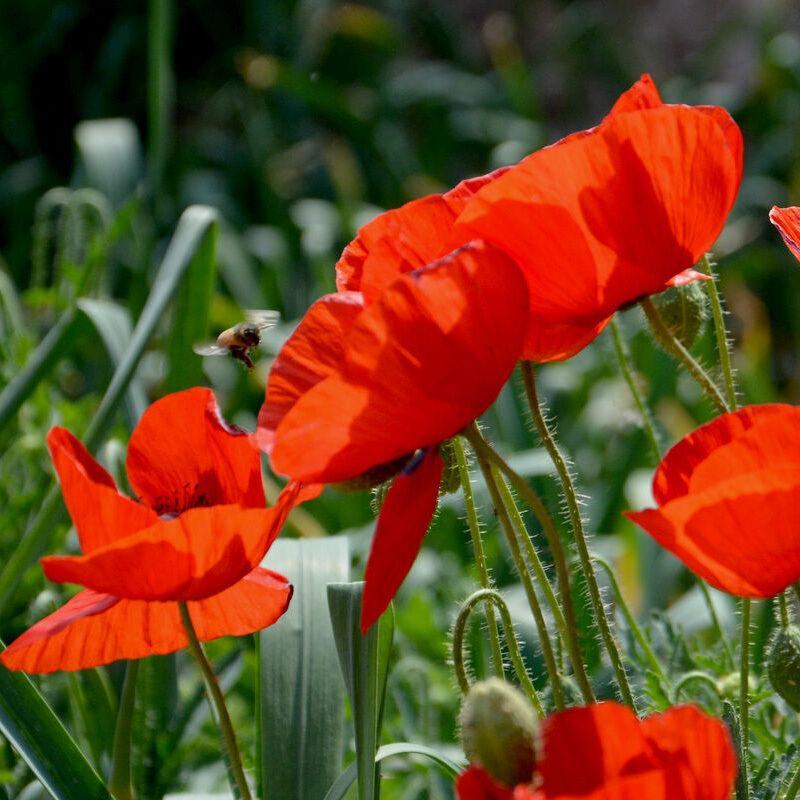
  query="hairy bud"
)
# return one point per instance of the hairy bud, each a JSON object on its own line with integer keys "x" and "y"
{"x": 783, "y": 665}
{"x": 684, "y": 310}
{"x": 498, "y": 731}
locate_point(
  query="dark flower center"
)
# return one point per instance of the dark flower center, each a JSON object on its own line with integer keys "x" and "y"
{"x": 173, "y": 505}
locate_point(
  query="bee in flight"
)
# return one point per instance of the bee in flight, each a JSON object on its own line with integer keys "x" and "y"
{"x": 239, "y": 339}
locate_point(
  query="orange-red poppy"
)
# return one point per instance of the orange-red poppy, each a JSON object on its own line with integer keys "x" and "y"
{"x": 603, "y": 752}
{"x": 373, "y": 391}
{"x": 597, "y": 220}
{"x": 196, "y": 533}
{"x": 727, "y": 498}
{"x": 787, "y": 221}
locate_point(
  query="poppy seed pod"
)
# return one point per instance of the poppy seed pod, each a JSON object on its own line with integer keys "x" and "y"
{"x": 684, "y": 310}
{"x": 498, "y": 731}
{"x": 783, "y": 665}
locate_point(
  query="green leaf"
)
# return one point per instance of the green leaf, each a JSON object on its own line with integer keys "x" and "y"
{"x": 348, "y": 777}
{"x": 193, "y": 226}
{"x": 301, "y": 694}
{"x": 364, "y": 661}
{"x": 36, "y": 733}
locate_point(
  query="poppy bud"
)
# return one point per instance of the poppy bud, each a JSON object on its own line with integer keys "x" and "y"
{"x": 498, "y": 731}
{"x": 684, "y": 310}
{"x": 783, "y": 665}
{"x": 451, "y": 479}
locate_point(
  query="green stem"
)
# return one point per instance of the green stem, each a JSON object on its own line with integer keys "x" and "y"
{"x": 784, "y": 610}
{"x": 794, "y": 786}
{"x": 534, "y": 502}
{"x": 480, "y": 557}
{"x": 717, "y": 625}
{"x": 239, "y": 784}
{"x": 491, "y": 597}
{"x": 120, "y": 781}
{"x": 675, "y": 348}
{"x": 723, "y": 342}
{"x": 744, "y": 700}
{"x": 159, "y": 88}
{"x": 578, "y": 532}
{"x": 527, "y": 583}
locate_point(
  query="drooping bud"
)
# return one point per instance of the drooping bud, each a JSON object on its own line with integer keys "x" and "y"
{"x": 684, "y": 310}
{"x": 498, "y": 731}
{"x": 451, "y": 480}
{"x": 783, "y": 665}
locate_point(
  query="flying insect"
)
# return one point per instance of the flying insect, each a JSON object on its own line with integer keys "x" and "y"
{"x": 241, "y": 338}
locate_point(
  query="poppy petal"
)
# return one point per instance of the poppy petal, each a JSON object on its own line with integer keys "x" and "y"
{"x": 313, "y": 352}
{"x": 406, "y": 513}
{"x": 476, "y": 784}
{"x": 196, "y": 555}
{"x": 787, "y": 221}
{"x": 420, "y": 364}
{"x": 93, "y": 629}
{"x": 99, "y": 512}
{"x": 643, "y": 94}
{"x": 600, "y": 220}
{"x": 183, "y": 454}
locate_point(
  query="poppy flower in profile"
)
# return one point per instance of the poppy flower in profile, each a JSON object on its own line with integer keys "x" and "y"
{"x": 366, "y": 393}
{"x": 787, "y": 221}
{"x": 196, "y": 533}
{"x": 727, "y": 497}
{"x": 603, "y": 752}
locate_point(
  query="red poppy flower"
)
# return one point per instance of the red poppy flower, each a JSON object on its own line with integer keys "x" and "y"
{"x": 597, "y": 220}
{"x": 727, "y": 498}
{"x": 373, "y": 392}
{"x": 197, "y": 533}
{"x": 787, "y": 221}
{"x": 603, "y": 752}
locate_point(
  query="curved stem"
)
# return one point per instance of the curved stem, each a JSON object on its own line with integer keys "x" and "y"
{"x": 578, "y": 533}
{"x": 794, "y": 786}
{"x": 119, "y": 783}
{"x": 625, "y": 364}
{"x": 487, "y": 454}
{"x": 690, "y": 677}
{"x": 674, "y": 347}
{"x": 239, "y": 784}
{"x": 491, "y": 598}
{"x": 744, "y": 699}
{"x": 480, "y": 557}
{"x": 723, "y": 342}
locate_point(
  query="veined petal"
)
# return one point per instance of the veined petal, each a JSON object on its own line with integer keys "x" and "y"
{"x": 420, "y": 364}
{"x": 94, "y": 629}
{"x": 183, "y": 454}
{"x": 99, "y": 512}
{"x": 787, "y": 221}
{"x": 403, "y": 522}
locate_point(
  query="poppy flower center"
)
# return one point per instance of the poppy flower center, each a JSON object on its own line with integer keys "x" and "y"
{"x": 173, "y": 505}
{"x": 375, "y": 476}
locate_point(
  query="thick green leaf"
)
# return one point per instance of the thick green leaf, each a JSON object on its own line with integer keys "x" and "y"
{"x": 301, "y": 694}
{"x": 364, "y": 661}
{"x": 348, "y": 777}
{"x": 193, "y": 226}
{"x": 36, "y": 733}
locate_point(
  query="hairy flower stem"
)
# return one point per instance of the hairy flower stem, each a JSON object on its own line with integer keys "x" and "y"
{"x": 625, "y": 364}
{"x": 578, "y": 532}
{"x": 480, "y": 557}
{"x": 487, "y": 455}
{"x": 239, "y": 782}
{"x": 527, "y": 583}
{"x": 716, "y": 623}
{"x": 491, "y": 598}
{"x": 744, "y": 700}
{"x": 119, "y": 783}
{"x": 784, "y": 610}
{"x": 723, "y": 342}
{"x": 674, "y": 347}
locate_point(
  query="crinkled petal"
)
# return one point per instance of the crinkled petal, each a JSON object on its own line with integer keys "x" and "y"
{"x": 787, "y": 221}
{"x": 183, "y": 454}
{"x": 420, "y": 364}
{"x": 476, "y": 784}
{"x": 94, "y": 629}
{"x": 406, "y": 513}
{"x": 99, "y": 512}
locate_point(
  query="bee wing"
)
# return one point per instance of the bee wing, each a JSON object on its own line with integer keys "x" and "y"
{"x": 210, "y": 349}
{"x": 263, "y": 319}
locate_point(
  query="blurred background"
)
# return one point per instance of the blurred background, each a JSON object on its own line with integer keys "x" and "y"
{"x": 300, "y": 120}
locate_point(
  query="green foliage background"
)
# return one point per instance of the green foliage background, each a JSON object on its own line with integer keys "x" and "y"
{"x": 298, "y": 121}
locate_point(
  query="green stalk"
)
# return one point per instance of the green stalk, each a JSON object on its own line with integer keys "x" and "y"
{"x": 578, "y": 532}
{"x": 717, "y": 625}
{"x": 695, "y": 676}
{"x": 159, "y": 88}
{"x": 120, "y": 782}
{"x": 491, "y": 597}
{"x": 784, "y": 610}
{"x": 239, "y": 783}
{"x": 744, "y": 700}
{"x": 676, "y": 349}
{"x": 626, "y": 365}
{"x": 794, "y": 786}
{"x": 486, "y": 454}
{"x": 527, "y": 583}
{"x": 480, "y": 557}
{"x": 723, "y": 342}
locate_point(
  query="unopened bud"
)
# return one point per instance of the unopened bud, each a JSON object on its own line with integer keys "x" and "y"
{"x": 684, "y": 310}
{"x": 783, "y": 665}
{"x": 498, "y": 731}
